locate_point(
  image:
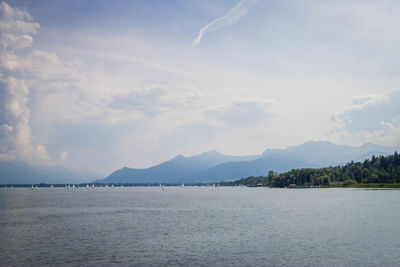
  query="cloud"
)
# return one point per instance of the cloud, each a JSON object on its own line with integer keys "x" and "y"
{"x": 149, "y": 101}
{"x": 233, "y": 15}
{"x": 16, "y": 34}
{"x": 41, "y": 90}
{"x": 373, "y": 118}
{"x": 17, "y": 27}
{"x": 38, "y": 89}
{"x": 104, "y": 94}
{"x": 64, "y": 155}
{"x": 245, "y": 113}
{"x": 198, "y": 130}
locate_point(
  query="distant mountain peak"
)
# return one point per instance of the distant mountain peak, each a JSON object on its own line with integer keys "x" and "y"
{"x": 320, "y": 142}
{"x": 210, "y": 153}
{"x": 178, "y": 158}
{"x": 212, "y": 166}
{"x": 20, "y": 172}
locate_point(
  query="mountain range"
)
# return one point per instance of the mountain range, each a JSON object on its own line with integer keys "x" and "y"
{"x": 19, "y": 172}
{"x": 177, "y": 170}
{"x": 207, "y": 167}
{"x": 213, "y": 167}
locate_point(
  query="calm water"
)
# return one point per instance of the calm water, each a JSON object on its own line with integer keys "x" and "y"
{"x": 199, "y": 226}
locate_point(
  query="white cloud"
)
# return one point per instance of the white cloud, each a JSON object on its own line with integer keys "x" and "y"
{"x": 16, "y": 31}
{"x": 41, "y": 90}
{"x": 17, "y": 27}
{"x": 233, "y": 15}
{"x": 16, "y": 136}
{"x": 371, "y": 118}
{"x": 103, "y": 95}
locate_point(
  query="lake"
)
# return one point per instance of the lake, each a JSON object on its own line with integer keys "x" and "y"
{"x": 199, "y": 226}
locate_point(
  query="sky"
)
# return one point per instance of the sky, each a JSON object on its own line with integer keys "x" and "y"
{"x": 98, "y": 85}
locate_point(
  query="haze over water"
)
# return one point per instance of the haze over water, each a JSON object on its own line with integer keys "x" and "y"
{"x": 199, "y": 226}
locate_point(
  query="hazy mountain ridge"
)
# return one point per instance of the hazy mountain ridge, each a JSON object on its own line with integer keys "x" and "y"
{"x": 256, "y": 167}
{"x": 209, "y": 166}
{"x": 19, "y": 172}
{"x": 177, "y": 170}
{"x": 324, "y": 153}
{"x": 213, "y": 166}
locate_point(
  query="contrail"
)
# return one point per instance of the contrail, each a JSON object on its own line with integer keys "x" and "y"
{"x": 233, "y": 15}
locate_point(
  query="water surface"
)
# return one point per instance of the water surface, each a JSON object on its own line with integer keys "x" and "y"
{"x": 199, "y": 226}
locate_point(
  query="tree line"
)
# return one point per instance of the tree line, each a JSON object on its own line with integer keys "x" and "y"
{"x": 381, "y": 169}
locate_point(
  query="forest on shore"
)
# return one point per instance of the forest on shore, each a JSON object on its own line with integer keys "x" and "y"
{"x": 380, "y": 170}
